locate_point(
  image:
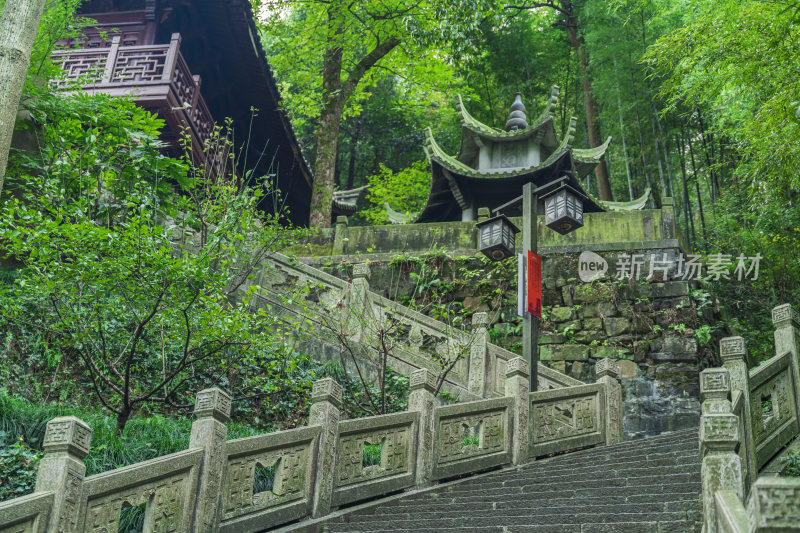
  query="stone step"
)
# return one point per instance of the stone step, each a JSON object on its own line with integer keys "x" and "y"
{"x": 380, "y": 523}
{"x": 648, "y": 485}
{"x": 689, "y": 501}
{"x": 527, "y": 485}
{"x": 668, "y": 460}
{"x": 545, "y": 475}
{"x": 682, "y": 526}
{"x": 537, "y": 492}
{"x": 628, "y": 450}
{"x": 643, "y": 468}
{"x": 528, "y": 508}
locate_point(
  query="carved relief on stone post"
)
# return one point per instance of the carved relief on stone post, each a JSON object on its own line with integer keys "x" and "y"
{"x": 477, "y": 354}
{"x": 787, "y": 339}
{"x": 517, "y": 387}
{"x": 212, "y": 408}
{"x": 421, "y": 399}
{"x": 733, "y": 353}
{"x": 608, "y": 373}
{"x": 326, "y": 398}
{"x": 719, "y": 437}
{"x": 774, "y": 504}
{"x": 66, "y": 442}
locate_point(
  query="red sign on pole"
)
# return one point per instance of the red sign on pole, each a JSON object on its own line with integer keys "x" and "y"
{"x": 534, "y": 284}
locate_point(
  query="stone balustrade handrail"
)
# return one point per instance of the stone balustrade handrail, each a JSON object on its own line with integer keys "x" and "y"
{"x": 479, "y": 375}
{"x": 748, "y": 417}
{"x": 261, "y": 482}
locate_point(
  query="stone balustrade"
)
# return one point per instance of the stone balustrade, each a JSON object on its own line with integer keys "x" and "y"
{"x": 421, "y": 341}
{"x": 748, "y": 417}
{"x": 264, "y": 481}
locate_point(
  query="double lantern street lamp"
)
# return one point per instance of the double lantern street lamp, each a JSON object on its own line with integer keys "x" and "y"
{"x": 563, "y": 212}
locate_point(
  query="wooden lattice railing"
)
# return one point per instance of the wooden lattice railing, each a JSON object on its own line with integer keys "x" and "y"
{"x": 156, "y": 76}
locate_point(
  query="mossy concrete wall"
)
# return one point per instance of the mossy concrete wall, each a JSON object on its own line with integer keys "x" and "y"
{"x": 609, "y": 230}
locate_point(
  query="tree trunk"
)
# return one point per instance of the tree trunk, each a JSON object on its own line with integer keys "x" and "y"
{"x": 351, "y": 168}
{"x": 658, "y": 156}
{"x": 622, "y": 132}
{"x": 326, "y": 138}
{"x": 699, "y": 198}
{"x": 122, "y": 419}
{"x": 685, "y": 190}
{"x": 714, "y": 181}
{"x": 641, "y": 135}
{"x": 18, "y": 26}
{"x": 590, "y": 104}
{"x": 335, "y": 94}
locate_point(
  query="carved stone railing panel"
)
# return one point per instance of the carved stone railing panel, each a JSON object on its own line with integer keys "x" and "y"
{"x": 774, "y": 504}
{"x": 167, "y": 485}
{"x": 547, "y": 378}
{"x": 737, "y": 409}
{"x": 28, "y": 514}
{"x": 290, "y": 457}
{"x": 396, "y": 434}
{"x": 472, "y": 436}
{"x": 566, "y": 419}
{"x": 773, "y": 407}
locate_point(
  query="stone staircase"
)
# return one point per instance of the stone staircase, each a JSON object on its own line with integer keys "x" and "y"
{"x": 647, "y": 485}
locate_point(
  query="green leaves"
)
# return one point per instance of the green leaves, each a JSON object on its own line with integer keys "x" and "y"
{"x": 405, "y": 191}
{"x": 133, "y": 261}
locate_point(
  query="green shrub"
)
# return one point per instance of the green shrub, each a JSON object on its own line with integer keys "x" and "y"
{"x": 22, "y": 427}
{"x": 792, "y": 464}
{"x": 18, "y": 466}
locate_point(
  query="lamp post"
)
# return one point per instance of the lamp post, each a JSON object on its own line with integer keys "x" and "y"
{"x": 563, "y": 206}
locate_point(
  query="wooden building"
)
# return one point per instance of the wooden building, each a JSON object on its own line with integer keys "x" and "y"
{"x": 194, "y": 62}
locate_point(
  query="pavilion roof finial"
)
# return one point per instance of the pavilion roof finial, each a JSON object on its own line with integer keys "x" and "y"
{"x": 516, "y": 117}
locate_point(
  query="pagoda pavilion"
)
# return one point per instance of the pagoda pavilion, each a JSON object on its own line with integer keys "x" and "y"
{"x": 492, "y": 165}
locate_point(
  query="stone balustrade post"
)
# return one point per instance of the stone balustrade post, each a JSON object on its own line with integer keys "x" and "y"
{"x": 326, "y": 399}
{"x": 66, "y": 442}
{"x": 518, "y": 374}
{"x": 608, "y": 373}
{"x": 483, "y": 214}
{"x": 212, "y": 409}
{"x": 787, "y": 339}
{"x": 421, "y": 399}
{"x": 478, "y": 351}
{"x": 339, "y": 236}
{"x": 719, "y": 437}
{"x": 733, "y": 353}
{"x": 358, "y": 308}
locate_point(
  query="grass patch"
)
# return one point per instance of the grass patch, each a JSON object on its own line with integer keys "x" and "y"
{"x": 145, "y": 437}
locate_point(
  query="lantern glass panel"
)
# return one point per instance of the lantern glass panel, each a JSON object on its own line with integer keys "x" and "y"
{"x": 563, "y": 211}
{"x": 497, "y": 238}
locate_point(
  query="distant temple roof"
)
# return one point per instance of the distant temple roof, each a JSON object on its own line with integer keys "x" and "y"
{"x": 492, "y": 165}
{"x": 346, "y": 202}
